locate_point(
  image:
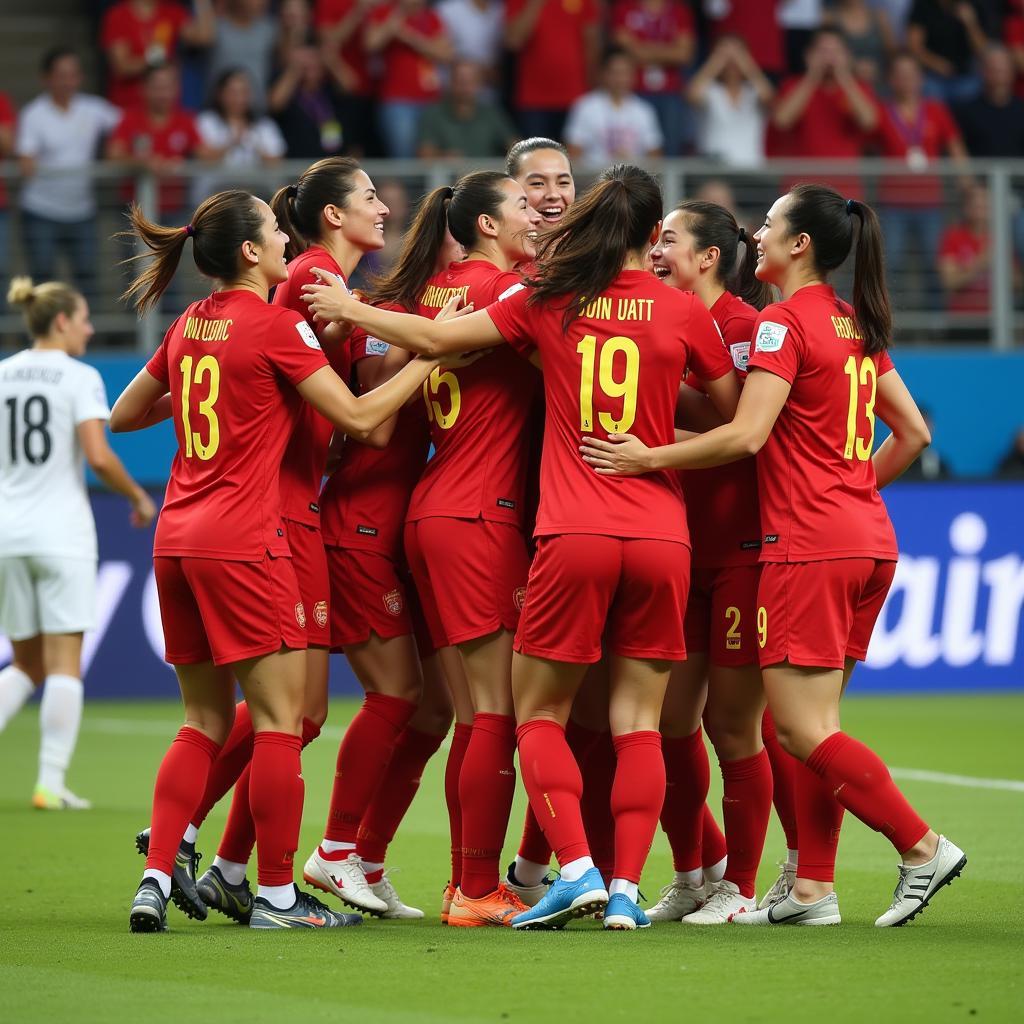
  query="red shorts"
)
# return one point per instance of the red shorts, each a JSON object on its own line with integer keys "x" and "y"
{"x": 721, "y": 614}
{"x": 371, "y": 594}
{"x": 820, "y": 613}
{"x": 222, "y": 611}
{"x": 470, "y": 575}
{"x": 310, "y": 563}
{"x": 583, "y": 586}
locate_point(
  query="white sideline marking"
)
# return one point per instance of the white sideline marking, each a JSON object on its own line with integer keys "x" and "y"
{"x": 967, "y": 781}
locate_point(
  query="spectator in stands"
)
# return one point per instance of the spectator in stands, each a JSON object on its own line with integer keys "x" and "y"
{"x": 413, "y": 45}
{"x": 612, "y": 123}
{"x": 993, "y": 123}
{"x": 896, "y": 12}
{"x": 475, "y": 28}
{"x": 917, "y": 130}
{"x": 139, "y": 34}
{"x": 557, "y": 44}
{"x": 756, "y": 22}
{"x": 7, "y": 121}
{"x": 1013, "y": 37}
{"x": 245, "y": 36}
{"x": 59, "y": 135}
{"x": 965, "y": 256}
{"x": 929, "y": 465}
{"x": 464, "y": 122}
{"x": 306, "y": 107}
{"x": 1011, "y": 466}
{"x": 234, "y": 134}
{"x": 660, "y": 37}
{"x": 869, "y": 36}
{"x": 946, "y": 36}
{"x": 340, "y": 26}
{"x": 732, "y": 96}
{"x": 294, "y": 29}
{"x": 799, "y": 20}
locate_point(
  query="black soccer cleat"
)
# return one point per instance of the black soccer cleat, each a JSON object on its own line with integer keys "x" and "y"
{"x": 306, "y": 912}
{"x": 149, "y": 909}
{"x": 234, "y": 901}
{"x": 184, "y": 894}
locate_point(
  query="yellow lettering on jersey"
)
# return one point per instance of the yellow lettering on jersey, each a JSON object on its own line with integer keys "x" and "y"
{"x": 436, "y": 297}
{"x": 596, "y": 309}
{"x": 846, "y": 327}
{"x": 635, "y": 309}
{"x": 199, "y": 329}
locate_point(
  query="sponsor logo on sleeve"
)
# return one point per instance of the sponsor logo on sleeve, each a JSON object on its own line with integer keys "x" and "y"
{"x": 770, "y": 337}
{"x": 740, "y": 352}
{"x": 376, "y": 347}
{"x": 511, "y": 290}
{"x": 307, "y": 334}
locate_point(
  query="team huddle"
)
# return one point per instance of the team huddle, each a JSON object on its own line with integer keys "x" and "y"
{"x": 652, "y": 509}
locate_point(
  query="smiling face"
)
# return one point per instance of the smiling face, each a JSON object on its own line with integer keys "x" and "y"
{"x": 517, "y": 224}
{"x": 266, "y": 254}
{"x": 363, "y": 215}
{"x": 775, "y": 243}
{"x": 546, "y": 177}
{"x": 675, "y": 258}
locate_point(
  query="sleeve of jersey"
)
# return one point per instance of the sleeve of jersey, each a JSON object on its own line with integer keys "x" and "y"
{"x": 885, "y": 363}
{"x": 294, "y": 348}
{"x": 157, "y": 365}
{"x": 776, "y": 347}
{"x": 510, "y": 315}
{"x": 709, "y": 358}
{"x": 90, "y": 401}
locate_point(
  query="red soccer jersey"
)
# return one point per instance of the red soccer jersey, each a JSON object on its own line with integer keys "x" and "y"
{"x": 155, "y": 38}
{"x": 927, "y": 136}
{"x": 963, "y": 246}
{"x": 230, "y": 362}
{"x": 551, "y": 67}
{"x": 364, "y": 503}
{"x": 326, "y": 15}
{"x": 661, "y": 28}
{"x": 302, "y": 470}
{"x": 407, "y": 74}
{"x": 817, "y": 483}
{"x": 617, "y": 369}
{"x": 7, "y": 120}
{"x": 721, "y": 503}
{"x": 479, "y": 417}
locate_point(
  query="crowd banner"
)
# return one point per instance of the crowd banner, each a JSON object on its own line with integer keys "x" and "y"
{"x": 952, "y": 621}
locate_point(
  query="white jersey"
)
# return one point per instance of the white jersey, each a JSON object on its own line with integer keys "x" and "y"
{"x": 44, "y": 505}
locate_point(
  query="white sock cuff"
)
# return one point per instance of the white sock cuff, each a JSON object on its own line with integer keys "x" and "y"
{"x": 57, "y": 682}
{"x": 623, "y": 885}
{"x": 576, "y": 869}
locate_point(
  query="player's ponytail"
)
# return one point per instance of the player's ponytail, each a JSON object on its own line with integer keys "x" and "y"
{"x": 219, "y": 227}
{"x": 581, "y": 257}
{"x": 712, "y": 225}
{"x": 42, "y": 303}
{"x": 299, "y": 207}
{"x": 827, "y": 219}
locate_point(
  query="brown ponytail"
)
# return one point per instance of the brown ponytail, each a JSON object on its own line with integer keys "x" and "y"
{"x": 581, "y": 257}
{"x": 42, "y": 303}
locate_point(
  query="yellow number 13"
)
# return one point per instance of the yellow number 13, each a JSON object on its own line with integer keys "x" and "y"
{"x": 626, "y": 388}
{"x": 860, "y": 447}
{"x": 207, "y": 365}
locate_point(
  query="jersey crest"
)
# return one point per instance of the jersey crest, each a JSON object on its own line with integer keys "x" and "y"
{"x": 770, "y": 337}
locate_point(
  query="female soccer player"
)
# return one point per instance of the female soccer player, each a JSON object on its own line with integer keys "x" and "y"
{"x": 614, "y": 343}
{"x": 54, "y": 411}
{"x": 819, "y": 374}
{"x": 232, "y": 371}
{"x": 697, "y": 252}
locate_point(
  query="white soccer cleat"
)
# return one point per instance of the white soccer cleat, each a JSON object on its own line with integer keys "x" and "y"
{"x": 789, "y": 911}
{"x": 724, "y": 902}
{"x": 61, "y": 800}
{"x": 782, "y": 887}
{"x": 531, "y": 895}
{"x": 917, "y": 885}
{"x": 343, "y": 878}
{"x": 678, "y": 900}
{"x": 384, "y": 890}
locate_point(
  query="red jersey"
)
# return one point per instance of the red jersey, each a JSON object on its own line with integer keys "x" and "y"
{"x": 721, "y": 503}
{"x": 556, "y": 42}
{"x": 364, "y": 503}
{"x": 963, "y": 246}
{"x": 155, "y": 38}
{"x": 819, "y": 499}
{"x": 305, "y": 459}
{"x": 662, "y": 27}
{"x": 326, "y": 15}
{"x": 479, "y": 417}
{"x": 230, "y": 362}
{"x": 927, "y": 136}
{"x": 617, "y": 369}
{"x": 407, "y": 74}
{"x": 7, "y": 120}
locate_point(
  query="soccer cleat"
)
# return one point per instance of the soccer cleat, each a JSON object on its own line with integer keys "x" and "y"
{"x": 184, "y": 894}
{"x": 565, "y": 901}
{"x": 58, "y": 800}
{"x": 789, "y": 911}
{"x": 384, "y": 890}
{"x": 678, "y": 900}
{"x": 306, "y": 912}
{"x": 494, "y": 910}
{"x": 782, "y": 886}
{"x": 531, "y": 895}
{"x": 446, "y": 902}
{"x": 149, "y": 909}
{"x": 917, "y": 885}
{"x": 343, "y": 878}
{"x": 234, "y": 901}
{"x": 623, "y": 915}
{"x": 724, "y": 902}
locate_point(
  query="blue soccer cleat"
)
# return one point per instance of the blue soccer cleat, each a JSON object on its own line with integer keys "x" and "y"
{"x": 623, "y": 915}
{"x": 565, "y": 901}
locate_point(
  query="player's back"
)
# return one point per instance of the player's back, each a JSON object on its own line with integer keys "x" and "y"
{"x": 44, "y": 506}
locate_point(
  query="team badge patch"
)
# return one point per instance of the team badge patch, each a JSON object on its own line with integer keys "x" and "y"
{"x": 519, "y": 597}
{"x": 300, "y": 615}
{"x": 393, "y": 603}
{"x": 376, "y": 347}
{"x": 740, "y": 352}
{"x": 320, "y": 613}
{"x": 770, "y": 337}
{"x": 307, "y": 334}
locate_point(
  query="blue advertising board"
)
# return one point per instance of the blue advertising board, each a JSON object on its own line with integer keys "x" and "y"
{"x": 952, "y": 621}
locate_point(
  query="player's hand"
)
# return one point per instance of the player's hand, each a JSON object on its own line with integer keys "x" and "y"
{"x": 143, "y": 510}
{"x": 453, "y": 360}
{"x": 451, "y": 309}
{"x": 329, "y": 300}
{"x": 620, "y": 455}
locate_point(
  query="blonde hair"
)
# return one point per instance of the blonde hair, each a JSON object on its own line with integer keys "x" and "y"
{"x": 41, "y": 303}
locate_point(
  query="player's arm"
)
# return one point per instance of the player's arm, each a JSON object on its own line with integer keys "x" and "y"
{"x": 695, "y": 412}
{"x": 145, "y": 402}
{"x": 103, "y": 461}
{"x": 520, "y": 27}
{"x": 372, "y": 372}
{"x": 896, "y": 408}
{"x": 764, "y": 394}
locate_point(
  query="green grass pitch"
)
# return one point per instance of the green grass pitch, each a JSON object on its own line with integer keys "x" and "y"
{"x": 68, "y": 879}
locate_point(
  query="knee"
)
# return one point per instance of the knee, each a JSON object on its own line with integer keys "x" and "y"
{"x": 800, "y": 738}
{"x": 733, "y": 736}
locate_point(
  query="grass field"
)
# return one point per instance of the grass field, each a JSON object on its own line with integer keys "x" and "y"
{"x": 68, "y": 879}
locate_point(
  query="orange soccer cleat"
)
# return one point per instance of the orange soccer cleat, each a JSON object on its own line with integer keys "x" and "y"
{"x": 446, "y": 901}
{"x": 494, "y": 910}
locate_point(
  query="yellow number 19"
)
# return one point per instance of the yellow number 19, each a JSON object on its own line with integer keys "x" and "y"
{"x": 626, "y": 388}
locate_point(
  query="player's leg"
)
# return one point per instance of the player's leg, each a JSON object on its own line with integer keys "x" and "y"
{"x": 20, "y": 679}
{"x": 462, "y": 702}
{"x": 784, "y": 769}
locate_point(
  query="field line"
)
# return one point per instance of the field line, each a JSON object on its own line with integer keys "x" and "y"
{"x": 967, "y": 781}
